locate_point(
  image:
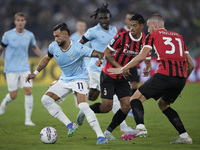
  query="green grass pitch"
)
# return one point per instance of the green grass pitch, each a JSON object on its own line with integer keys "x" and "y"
{"x": 14, "y": 135}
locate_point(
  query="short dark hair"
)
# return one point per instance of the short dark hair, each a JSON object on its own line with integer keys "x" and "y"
{"x": 102, "y": 9}
{"x": 62, "y": 27}
{"x": 139, "y": 18}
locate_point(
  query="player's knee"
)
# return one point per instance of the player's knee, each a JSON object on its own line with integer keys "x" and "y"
{"x": 92, "y": 97}
{"x": 28, "y": 91}
{"x": 13, "y": 95}
{"x": 105, "y": 108}
{"x": 126, "y": 108}
{"x": 162, "y": 104}
{"x": 46, "y": 99}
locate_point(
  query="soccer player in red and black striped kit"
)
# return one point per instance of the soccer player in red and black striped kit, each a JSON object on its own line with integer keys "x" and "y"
{"x": 175, "y": 65}
{"x": 122, "y": 49}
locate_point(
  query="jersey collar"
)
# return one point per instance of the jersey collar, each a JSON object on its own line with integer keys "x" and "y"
{"x": 134, "y": 38}
{"x": 126, "y": 28}
{"x": 68, "y": 47}
{"x": 103, "y": 28}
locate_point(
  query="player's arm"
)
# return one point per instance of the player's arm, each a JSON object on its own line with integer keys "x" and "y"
{"x": 43, "y": 63}
{"x": 97, "y": 54}
{"x": 2, "y": 48}
{"x": 147, "y": 67}
{"x": 109, "y": 57}
{"x": 134, "y": 62}
{"x": 190, "y": 64}
{"x": 37, "y": 51}
{"x": 83, "y": 40}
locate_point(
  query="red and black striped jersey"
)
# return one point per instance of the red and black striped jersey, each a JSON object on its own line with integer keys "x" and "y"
{"x": 170, "y": 50}
{"x": 123, "y": 29}
{"x": 125, "y": 48}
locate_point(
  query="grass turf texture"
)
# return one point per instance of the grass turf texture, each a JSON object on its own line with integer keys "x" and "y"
{"x": 15, "y": 135}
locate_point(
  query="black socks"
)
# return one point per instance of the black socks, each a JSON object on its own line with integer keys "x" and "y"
{"x": 174, "y": 118}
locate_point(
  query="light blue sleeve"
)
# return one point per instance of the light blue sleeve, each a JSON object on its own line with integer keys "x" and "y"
{"x": 89, "y": 34}
{"x": 86, "y": 51}
{"x": 5, "y": 39}
{"x": 33, "y": 41}
{"x": 51, "y": 49}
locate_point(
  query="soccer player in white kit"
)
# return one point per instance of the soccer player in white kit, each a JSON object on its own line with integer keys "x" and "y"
{"x": 69, "y": 57}
{"x": 16, "y": 66}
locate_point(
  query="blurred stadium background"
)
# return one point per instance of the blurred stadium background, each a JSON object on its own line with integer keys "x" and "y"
{"x": 182, "y": 16}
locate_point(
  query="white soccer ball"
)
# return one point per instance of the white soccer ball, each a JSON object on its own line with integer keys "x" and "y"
{"x": 48, "y": 135}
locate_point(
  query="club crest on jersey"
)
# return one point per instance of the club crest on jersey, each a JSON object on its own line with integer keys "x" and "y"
{"x": 71, "y": 56}
{"x": 104, "y": 91}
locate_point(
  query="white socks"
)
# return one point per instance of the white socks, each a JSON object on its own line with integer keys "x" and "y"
{"x": 115, "y": 108}
{"x": 140, "y": 126}
{"x": 91, "y": 118}
{"x": 54, "y": 109}
{"x": 184, "y": 135}
{"x": 28, "y": 104}
{"x": 7, "y": 98}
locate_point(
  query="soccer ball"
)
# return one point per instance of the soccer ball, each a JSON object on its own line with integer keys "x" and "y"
{"x": 48, "y": 135}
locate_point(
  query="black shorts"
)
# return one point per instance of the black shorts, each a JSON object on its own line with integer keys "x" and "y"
{"x": 135, "y": 74}
{"x": 159, "y": 85}
{"x": 110, "y": 86}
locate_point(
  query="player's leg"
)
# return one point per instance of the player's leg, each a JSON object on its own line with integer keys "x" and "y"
{"x": 12, "y": 82}
{"x": 175, "y": 120}
{"x": 94, "y": 85}
{"x": 80, "y": 90}
{"x": 123, "y": 91}
{"x": 120, "y": 115}
{"x": 28, "y": 105}
{"x": 116, "y": 106}
{"x": 164, "y": 102}
{"x": 134, "y": 80}
{"x": 58, "y": 92}
{"x": 93, "y": 94}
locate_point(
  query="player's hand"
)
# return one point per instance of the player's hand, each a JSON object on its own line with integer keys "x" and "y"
{"x": 146, "y": 71}
{"x": 30, "y": 76}
{"x": 99, "y": 62}
{"x": 126, "y": 73}
{"x": 118, "y": 70}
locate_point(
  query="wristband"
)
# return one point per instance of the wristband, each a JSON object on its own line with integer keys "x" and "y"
{"x": 36, "y": 72}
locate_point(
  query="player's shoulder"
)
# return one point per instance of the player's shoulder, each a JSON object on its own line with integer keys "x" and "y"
{"x": 53, "y": 44}
{"x": 96, "y": 27}
{"x": 76, "y": 43}
{"x": 123, "y": 33}
{"x": 113, "y": 27}
{"x": 28, "y": 32}
{"x": 9, "y": 31}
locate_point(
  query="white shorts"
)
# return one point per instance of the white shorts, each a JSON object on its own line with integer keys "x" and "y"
{"x": 63, "y": 89}
{"x": 17, "y": 80}
{"x": 95, "y": 80}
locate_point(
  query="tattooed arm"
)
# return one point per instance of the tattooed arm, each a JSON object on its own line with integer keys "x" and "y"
{"x": 43, "y": 63}
{"x": 108, "y": 56}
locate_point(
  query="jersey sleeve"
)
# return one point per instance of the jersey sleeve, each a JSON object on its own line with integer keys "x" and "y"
{"x": 148, "y": 41}
{"x": 88, "y": 35}
{"x": 4, "y": 41}
{"x": 86, "y": 51}
{"x": 32, "y": 41}
{"x": 115, "y": 43}
{"x": 50, "y": 51}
